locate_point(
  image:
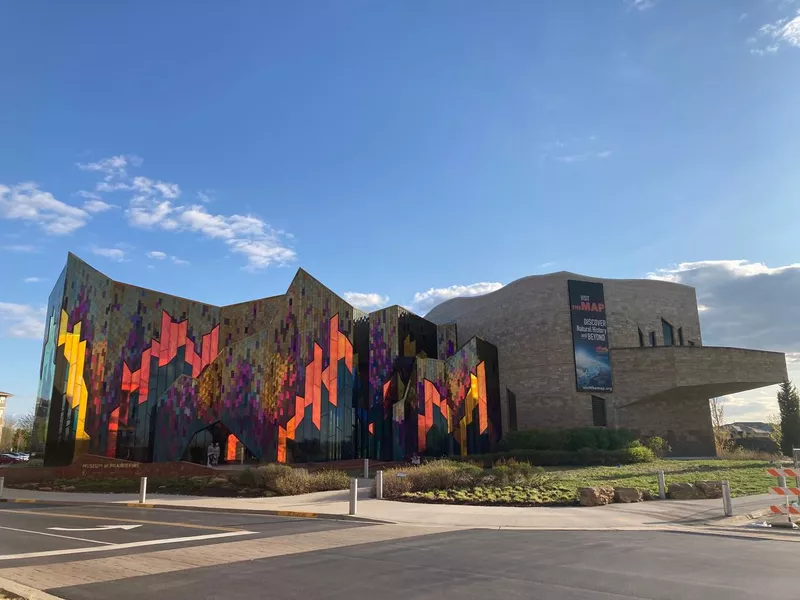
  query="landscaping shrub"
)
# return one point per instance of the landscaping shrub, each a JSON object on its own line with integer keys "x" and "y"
{"x": 264, "y": 477}
{"x": 637, "y": 454}
{"x": 286, "y": 481}
{"x": 433, "y": 475}
{"x": 293, "y": 482}
{"x": 658, "y": 446}
{"x": 565, "y": 458}
{"x": 574, "y": 439}
{"x": 329, "y": 479}
{"x": 509, "y": 472}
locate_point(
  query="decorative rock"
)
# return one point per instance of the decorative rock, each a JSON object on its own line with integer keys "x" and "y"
{"x": 710, "y": 489}
{"x": 780, "y": 524}
{"x": 595, "y": 496}
{"x": 45, "y": 489}
{"x": 684, "y": 491}
{"x": 626, "y": 495}
{"x": 68, "y": 488}
{"x": 647, "y": 495}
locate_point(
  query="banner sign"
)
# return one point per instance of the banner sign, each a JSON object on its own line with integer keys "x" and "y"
{"x": 589, "y": 336}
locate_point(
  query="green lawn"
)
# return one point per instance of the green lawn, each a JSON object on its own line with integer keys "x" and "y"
{"x": 746, "y": 476}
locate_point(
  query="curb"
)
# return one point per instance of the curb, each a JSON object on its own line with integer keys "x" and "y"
{"x": 248, "y": 511}
{"x": 26, "y": 592}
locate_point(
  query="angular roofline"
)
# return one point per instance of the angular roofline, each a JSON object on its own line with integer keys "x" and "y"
{"x": 141, "y": 287}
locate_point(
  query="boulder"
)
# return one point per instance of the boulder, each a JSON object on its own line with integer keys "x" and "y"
{"x": 626, "y": 495}
{"x": 709, "y": 489}
{"x": 68, "y": 488}
{"x": 647, "y": 495}
{"x": 684, "y": 491}
{"x": 595, "y": 496}
{"x": 45, "y": 489}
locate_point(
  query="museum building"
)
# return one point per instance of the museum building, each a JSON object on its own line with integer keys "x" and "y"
{"x": 132, "y": 373}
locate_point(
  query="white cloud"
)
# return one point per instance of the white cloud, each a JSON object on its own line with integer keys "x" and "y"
{"x": 153, "y": 206}
{"x": 112, "y": 167}
{"x": 32, "y": 279}
{"x": 116, "y": 254}
{"x": 368, "y": 301}
{"x": 179, "y": 261}
{"x": 22, "y": 320}
{"x": 250, "y": 236}
{"x": 424, "y": 301}
{"x": 26, "y": 202}
{"x": 573, "y": 158}
{"x": 26, "y": 248}
{"x": 157, "y": 254}
{"x": 640, "y": 4}
{"x": 783, "y": 32}
{"x": 149, "y": 187}
{"x": 204, "y": 197}
{"x": 748, "y": 305}
{"x": 97, "y": 206}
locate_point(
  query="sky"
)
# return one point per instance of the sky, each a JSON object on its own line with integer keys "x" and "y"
{"x": 403, "y": 152}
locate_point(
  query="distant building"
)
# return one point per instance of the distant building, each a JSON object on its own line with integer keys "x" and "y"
{"x": 3, "y": 397}
{"x": 744, "y": 430}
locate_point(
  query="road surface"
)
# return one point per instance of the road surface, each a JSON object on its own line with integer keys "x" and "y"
{"x": 124, "y": 553}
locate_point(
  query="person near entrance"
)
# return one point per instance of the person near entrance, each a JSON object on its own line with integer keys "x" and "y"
{"x": 210, "y": 454}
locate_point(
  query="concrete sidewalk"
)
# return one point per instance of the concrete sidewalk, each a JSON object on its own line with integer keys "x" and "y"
{"x": 643, "y": 515}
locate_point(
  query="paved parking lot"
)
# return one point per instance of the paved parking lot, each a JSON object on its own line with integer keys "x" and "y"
{"x": 33, "y": 533}
{"x": 89, "y": 552}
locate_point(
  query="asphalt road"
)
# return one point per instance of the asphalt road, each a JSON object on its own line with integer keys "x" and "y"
{"x": 41, "y": 533}
{"x": 466, "y": 564}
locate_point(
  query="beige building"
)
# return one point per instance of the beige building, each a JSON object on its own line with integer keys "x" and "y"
{"x": 661, "y": 374}
{"x": 3, "y": 397}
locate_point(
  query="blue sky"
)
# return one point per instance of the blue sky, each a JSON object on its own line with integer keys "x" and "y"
{"x": 401, "y": 152}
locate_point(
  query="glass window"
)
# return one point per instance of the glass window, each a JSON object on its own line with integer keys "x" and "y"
{"x": 641, "y": 338}
{"x": 599, "y": 411}
{"x": 652, "y": 338}
{"x": 512, "y": 410}
{"x": 669, "y": 333}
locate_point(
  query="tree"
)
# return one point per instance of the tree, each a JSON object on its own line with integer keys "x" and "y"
{"x": 775, "y": 433}
{"x": 789, "y": 405}
{"x": 23, "y": 429}
{"x": 7, "y": 434}
{"x": 722, "y": 437}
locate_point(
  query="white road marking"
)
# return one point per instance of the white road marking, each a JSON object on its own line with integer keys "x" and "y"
{"x": 98, "y": 528}
{"x": 66, "y": 537}
{"x": 108, "y": 547}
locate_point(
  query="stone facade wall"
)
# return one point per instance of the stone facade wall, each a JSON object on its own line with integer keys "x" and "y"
{"x": 529, "y": 322}
{"x": 685, "y": 422}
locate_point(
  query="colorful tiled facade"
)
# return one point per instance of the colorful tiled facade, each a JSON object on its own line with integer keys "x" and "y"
{"x": 131, "y": 373}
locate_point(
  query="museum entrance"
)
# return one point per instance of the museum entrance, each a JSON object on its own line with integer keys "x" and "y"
{"x": 216, "y": 445}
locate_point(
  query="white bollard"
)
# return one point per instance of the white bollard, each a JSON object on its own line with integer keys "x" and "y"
{"x": 142, "y": 490}
{"x": 378, "y": 485}
{"x": 662, "y": 486}
{"x": 366, "y": 468}
{"x": 353, "y": 496}
{"x": 727, "y": 505}
{"x": 2, "y": 484}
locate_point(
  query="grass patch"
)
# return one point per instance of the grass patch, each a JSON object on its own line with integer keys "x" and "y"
{"x": 746, "y": 476}
{"x": 520, "y": 484}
